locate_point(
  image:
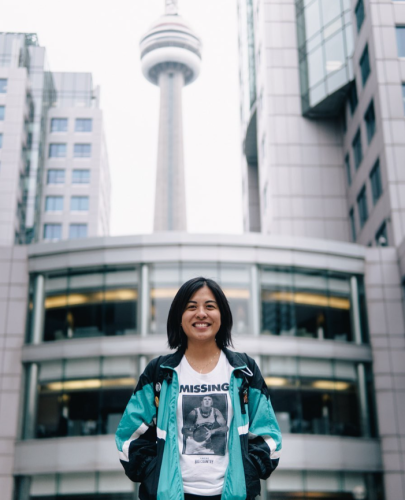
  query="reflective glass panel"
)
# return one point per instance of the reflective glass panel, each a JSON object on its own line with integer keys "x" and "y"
{"x": 400, "y": 30}
{"x": 312, "y": 20}
{"x": 306, "y": 304}
{"x": 2, "y": 112}
{"x": 325, "y": 402}
{"x": 316, "y": 66}
{"x": 91, "y": 304}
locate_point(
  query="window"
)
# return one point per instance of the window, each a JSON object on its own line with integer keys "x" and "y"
{"x": 79, "y": 203}
{"x": 381, "y": 237}
{"x": 52, "y": 231}
{"x": 401, "y": 40}
{"x": 3, "y": 85}
{"x": 359, "y": 11}
{"x": 54, "y": 203}
{"x": 353, "y": 100}
{"x": 82, "y": 151}
{"x": 2, "y": 112}
{"x": 57, "y": 150}
{"x": 77, "y": 231}
{"x": 59, "y": 125}
{"x": 1, "y": 141}
{"x": 403, "y": 95}
{"x": 375, "y": 179}
{"x": 357, "y": 149}
{"x": 352, "y": 224}
{"x": 348, "y": 171}
{"x": 80, "y": 176}
{"x": 55, "y": 176}
{"x": 362, "y": 206}
{"x": 369, "y": 118}
{"x": 83, "y": 125}
{"x": 312, "y": 304}
{"x": 91, "y": 304}
{"x": 365, "y": 66}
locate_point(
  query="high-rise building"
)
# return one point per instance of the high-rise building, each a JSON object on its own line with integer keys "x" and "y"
{"x": 54, "y": 176}
{"x": 323, "y": 129}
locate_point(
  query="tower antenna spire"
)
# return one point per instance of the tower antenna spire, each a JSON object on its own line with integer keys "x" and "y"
{"x": 171, "y": 7}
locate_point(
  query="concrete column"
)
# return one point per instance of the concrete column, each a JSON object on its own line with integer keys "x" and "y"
{"x": 255, "y": 299}
{"x": 37, "y": 331}
{"x": 170, "y": 197}
{"x": 364, "y": 407}
{"x": 144, "y": 299}
{"x": 31, "y": 399}
{"x": 354, "y": 295}
{"x": 361, "y": 375}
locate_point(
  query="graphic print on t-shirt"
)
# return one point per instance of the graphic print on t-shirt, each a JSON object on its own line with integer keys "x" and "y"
{"x": 205, "y": 424}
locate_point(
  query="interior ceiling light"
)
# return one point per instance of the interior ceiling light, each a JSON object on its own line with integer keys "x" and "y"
{"x": 74, "y": 299}
{"x": 276, "y": 381}
{"x": 85, "y": 384}
{"x": 333, "y": 385}
{"x": 333, "y": 65}
{"x": 311, "y": 299}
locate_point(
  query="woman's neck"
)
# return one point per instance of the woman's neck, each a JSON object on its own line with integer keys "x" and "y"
{"x": 198, "y": 351}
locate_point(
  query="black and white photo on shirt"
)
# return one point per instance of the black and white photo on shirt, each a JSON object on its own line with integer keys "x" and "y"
{"x": 205, "y": 424}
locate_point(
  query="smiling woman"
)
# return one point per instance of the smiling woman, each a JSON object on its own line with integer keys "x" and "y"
{"x": 214, "y": 404}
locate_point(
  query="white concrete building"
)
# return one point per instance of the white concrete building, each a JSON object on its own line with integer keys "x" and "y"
{"x": 54, "y": 176}
{"x": 323, "y": 129}
{"x": 76, "y": 178}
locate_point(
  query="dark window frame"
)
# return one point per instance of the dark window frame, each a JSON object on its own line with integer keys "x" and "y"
{"x": 376, "y": 183}
{"x": 360, "y": 14}
{"x": 362, "y": 206}
{"x": 365, "y": 66}
{"x": 369, "y": 118}
{"x": 357, "y": 149}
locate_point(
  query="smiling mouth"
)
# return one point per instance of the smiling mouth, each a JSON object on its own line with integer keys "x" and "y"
{"x": 201, "y": 325}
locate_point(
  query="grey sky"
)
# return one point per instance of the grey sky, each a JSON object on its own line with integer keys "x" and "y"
{"x": 102, "y": 37}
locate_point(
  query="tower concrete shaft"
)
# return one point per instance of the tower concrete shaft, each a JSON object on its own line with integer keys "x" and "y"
{"x": 170, "y": 197}
{"x": 171, "y": 58}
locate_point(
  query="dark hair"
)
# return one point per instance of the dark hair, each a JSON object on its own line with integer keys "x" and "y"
{"x": 175, "y": 334}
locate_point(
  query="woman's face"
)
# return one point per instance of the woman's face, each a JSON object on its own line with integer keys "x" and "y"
{"x": 201, "y": 319}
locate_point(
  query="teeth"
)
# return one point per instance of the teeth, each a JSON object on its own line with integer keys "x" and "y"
{"x": 199, "y": 325}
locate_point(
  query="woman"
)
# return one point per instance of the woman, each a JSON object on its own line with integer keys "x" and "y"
{"x": 200, "y": 424}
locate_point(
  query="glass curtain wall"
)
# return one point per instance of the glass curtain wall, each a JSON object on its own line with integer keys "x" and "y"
{"x": 325, "y": 49}
{"x": 83, "y": 397}
{"x": 302, "y": 303}
{"x": 103, "y": 302}
{"x": 166, "y": 279}
{"x": 313, "y": 396}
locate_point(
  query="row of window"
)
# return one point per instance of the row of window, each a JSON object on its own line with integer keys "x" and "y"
{"x": 362, "y": 206}
{"x": 54, "y": 231}
{"x": 81, "y": 125}
{"x": 369, "y": 119}
{"x": 3, "y": 85}
{"x": 59, "y": 150}
{"x": 77, "y": 203}
{"x": 57, "y": 176}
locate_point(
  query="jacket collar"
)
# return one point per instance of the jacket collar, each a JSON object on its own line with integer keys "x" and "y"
{"x": 173, "y": 360}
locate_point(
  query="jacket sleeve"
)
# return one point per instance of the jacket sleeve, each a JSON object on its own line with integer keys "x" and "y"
{"x": 264, "y": 438}
{"x": 136, "y": 434}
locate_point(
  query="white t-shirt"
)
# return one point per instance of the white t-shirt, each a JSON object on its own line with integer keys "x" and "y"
{"x": 204, "y": 413}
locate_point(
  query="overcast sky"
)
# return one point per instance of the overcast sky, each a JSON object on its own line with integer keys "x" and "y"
{"x": 102, "y": 37}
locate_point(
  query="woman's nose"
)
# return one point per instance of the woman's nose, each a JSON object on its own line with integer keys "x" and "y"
{"x": 201, "y": 313}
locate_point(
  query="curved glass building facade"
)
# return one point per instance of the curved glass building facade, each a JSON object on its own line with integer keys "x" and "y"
{"x": 97, "y": 315}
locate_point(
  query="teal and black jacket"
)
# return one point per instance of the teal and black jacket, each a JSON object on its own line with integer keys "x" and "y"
{"x": 148, "y": 449}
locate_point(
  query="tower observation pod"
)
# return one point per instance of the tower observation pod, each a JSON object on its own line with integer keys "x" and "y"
{"x": 171, "y": 58}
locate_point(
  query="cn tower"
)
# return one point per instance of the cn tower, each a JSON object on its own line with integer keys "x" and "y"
{"x": 171, "y": 58}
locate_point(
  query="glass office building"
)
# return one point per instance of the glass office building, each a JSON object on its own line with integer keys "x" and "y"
{"x": 97, "y": 314}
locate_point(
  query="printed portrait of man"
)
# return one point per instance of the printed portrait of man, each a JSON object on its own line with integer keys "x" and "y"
{"x": 205, "y": 426}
